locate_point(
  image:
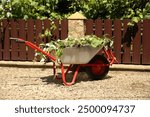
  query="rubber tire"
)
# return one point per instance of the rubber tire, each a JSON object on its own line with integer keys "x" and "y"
{"x": 103, "y": 70}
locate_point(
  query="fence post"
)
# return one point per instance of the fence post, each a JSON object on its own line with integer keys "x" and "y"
{"x": 76, "y": 26}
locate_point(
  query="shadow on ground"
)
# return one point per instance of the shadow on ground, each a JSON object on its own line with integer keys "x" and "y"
{"x": 82, "y": 77}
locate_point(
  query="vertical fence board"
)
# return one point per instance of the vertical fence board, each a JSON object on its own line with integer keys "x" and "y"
{"x": 108, "y": 27}
{"x": 14, "y": 45}
{"x": 22, "y": 46}
{"x": 126, "y": 54}
{"x": 137, "y": 46}
{"x": 89, "y": 27}
{"x": 47, "y": 23}
{"x": 117, "y": 39}
{"x": 38, "y": 32}
{"x": 1, "y": 41}
{"x": 64, "y": 29}
{"x": 6, "y": 53}
{"x": 30, "y": 37}
{"x": 56, "y": 34}
{"x": 146, "y": 42}
{"x": 98, "y": 27}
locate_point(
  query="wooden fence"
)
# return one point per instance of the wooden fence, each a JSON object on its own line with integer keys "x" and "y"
{"x": 137, "y": 53}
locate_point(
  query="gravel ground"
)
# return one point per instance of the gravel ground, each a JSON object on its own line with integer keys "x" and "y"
{"x": 38, "y": 83}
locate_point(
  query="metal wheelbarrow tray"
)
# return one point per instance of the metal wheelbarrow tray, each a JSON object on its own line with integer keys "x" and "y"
{"x": 78, "y": 55}
{"x": 94, "y": 61}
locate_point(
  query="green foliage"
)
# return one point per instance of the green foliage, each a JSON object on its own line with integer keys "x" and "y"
{"x": 36, "y": 9}
{"x": 59, "y": 45}
{"x": 41, "y": 9}
{"x": 49, "y": 32}
{"x": 146, "y": 11}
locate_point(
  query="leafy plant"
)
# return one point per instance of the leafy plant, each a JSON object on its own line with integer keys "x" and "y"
{"x": 59, "y": 45}
{"x": 92, "y": 9}
{"x": 146, "y": 11}
{"x": 49, "y": 32}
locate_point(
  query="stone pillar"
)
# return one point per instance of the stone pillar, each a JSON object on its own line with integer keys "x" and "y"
{"x": 76, "y": 28}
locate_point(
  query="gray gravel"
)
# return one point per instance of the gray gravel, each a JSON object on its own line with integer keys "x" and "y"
{"x": 38, "y": 83}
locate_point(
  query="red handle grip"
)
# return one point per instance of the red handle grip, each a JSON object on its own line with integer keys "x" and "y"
{"x": 17, "y": 40}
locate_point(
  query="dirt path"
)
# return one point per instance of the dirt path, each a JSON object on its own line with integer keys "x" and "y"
{"x": 36, "y": 83}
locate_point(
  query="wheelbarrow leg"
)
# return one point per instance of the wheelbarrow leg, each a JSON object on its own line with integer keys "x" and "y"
{"x": 68, "y": 69}
{"x": 54, "y": 69}
{"x": 56, "y": 75}
{"x": 65, "y": 73}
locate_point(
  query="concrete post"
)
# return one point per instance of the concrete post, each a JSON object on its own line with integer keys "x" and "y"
{"x": 76, "y": 28}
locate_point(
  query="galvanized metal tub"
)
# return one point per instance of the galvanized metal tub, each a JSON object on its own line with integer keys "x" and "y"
{"x": 78, "y": 55}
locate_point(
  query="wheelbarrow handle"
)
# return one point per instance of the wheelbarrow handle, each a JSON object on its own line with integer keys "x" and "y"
{"x": 33, "y": 46}
{"x": 17, "y": 40}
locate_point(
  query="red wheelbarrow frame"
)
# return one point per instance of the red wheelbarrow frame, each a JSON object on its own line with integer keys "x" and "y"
{"x": 109, "y": 55}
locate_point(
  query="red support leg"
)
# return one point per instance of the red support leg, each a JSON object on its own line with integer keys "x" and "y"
{"x": 110, "y": 56}
{"x": 54, "y": 69}
{"x": 65, "y": 73}
{"x": 68, "y": 69}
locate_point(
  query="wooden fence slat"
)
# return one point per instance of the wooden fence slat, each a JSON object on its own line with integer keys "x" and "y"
{"x": 14, "y": 45}
{"x": 98, "y": 27}
{"x": 89, "y": 27}
{"x": 146, "y": 42}
{"x": 38, "y": 32}
{"x": 56, "y": 34}
{"x": 137, "y": 46}
{"x": 108, "y": 27}
{"x": 64, "y": 28}
{"x": 117, "y": 39}
{"x": 1, "y": 41}
{"x": 47, "y": 23}
{"x": 126, "y": 54}
{"x": 30, "y": 37}
{"x": 22, "y": 46}
{"x": 6, "y": 53}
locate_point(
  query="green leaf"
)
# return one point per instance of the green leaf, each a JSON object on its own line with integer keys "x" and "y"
{"x": 136, "y": 19}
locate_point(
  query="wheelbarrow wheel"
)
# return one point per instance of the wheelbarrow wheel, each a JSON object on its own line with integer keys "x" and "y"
{"x": 98, "y": 72}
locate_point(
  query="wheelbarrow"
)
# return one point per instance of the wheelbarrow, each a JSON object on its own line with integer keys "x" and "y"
{"x": 94, "y": 61}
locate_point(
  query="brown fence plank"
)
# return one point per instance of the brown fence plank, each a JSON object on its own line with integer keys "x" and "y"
{"x": 64, "y": 28}
{"x": 56, "y": 33}
{"x": 117, "y": 39}
{"x": 1, "y": 42}
{"x": 136, "y": 46}
{"x": 89, "y": 27}
{"x": 38, "y": 32}
{"x": 30, "y": 37}
{"x": 98, "y": 27}
{"x": 22, "y": 46}
{"x": 146, "y": 42}
{"x": 14, "y": 45}
{"x": 108, "y": 27}
{"x": 6, "y": 53}
{"x": 126, "y": 54}
{"x": 47, "y": 23}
